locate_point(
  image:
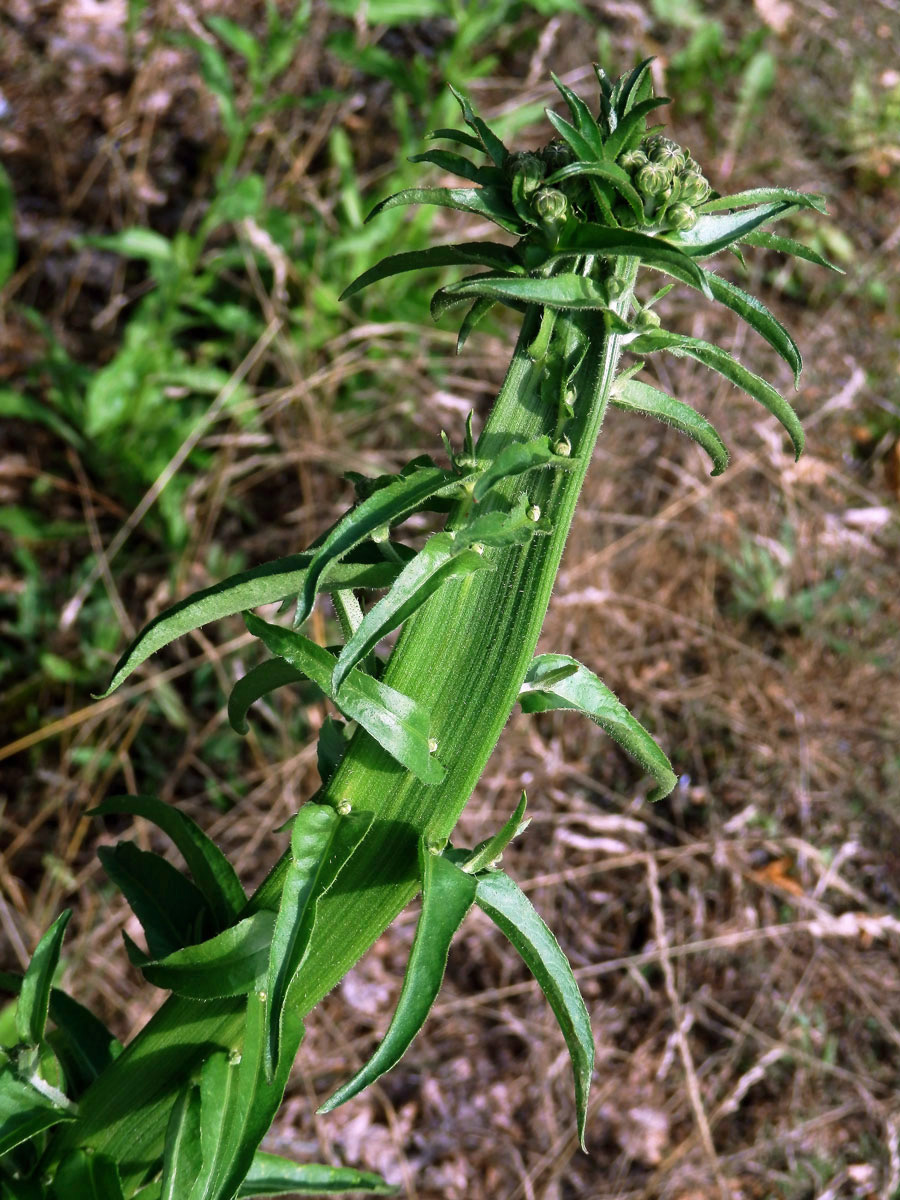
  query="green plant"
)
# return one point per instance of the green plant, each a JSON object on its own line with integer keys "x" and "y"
{"x": 182, "y": 1109}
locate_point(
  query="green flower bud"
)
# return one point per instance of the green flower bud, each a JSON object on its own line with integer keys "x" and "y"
{"x": 681, "y": 216}
{"x": 556, "y": 155}
{"x": 647, "y": 319}
{"x": 653, "y": 179}
{"x": 694, "y": 187}
{"x": 633, "y": 160}
{"x": 529, "y": 167}
{"x": 550, "y": 206}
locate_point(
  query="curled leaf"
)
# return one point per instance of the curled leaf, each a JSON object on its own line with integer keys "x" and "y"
{"x": 635, "y": 396}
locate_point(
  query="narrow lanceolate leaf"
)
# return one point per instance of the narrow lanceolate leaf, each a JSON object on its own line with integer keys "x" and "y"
{"x": 395, "y": 721}
{"x": 786, "y": 245}
{"x": 477, "y": 254}
{"x": 265, "y": 677}
{"x": 81, "y": 1042}
{"x": 576, "y": 141}
{"x": 237, "y": 1104}
{"x": 630, "y": 129}
{"x": 489, "y": 140}
{"x": 514, "y": 914}
{"x": 545, "y": 688}
{"x": 229, "y": 964}
{"x": 278, "y": 580}
{"x": 171, "y": 909}
{"x": 558, "y": 291}
{"x": 213, "y": 873}
{"x": 460, "y": 136}
{"x": 34, "y": 994}
{"x": 758, "y": 317}
{"x": 455, "y": 164}
{"x": 591, "y": 238}
{"x": 473, "y": 318}
{"x": 513, "y": 528}
{"x": 88, "y": 1176}
{"x": 440, "y": 560}
{"x": 608, "y": 171}
{"x": 24, "y": 1111}
{"x": 395, "y": 501}
{"x": 447, "y": 895}
{"x": 635, "y": 396}
{"x": 483, "y": 202}
{"x": 766, "y": 195}
{"x": 182, "y": 1157}
{"x": 716, "y": 231}
{"x": 515, "y": 459}
{"x": 489, "y": 851}
{"x": 582, "y": 117}
{"x": 271, "y": 1175}
{"x": 322, "y": 842}
{"x": 720, "y": 360}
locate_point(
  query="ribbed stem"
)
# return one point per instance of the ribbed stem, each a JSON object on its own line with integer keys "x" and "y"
{"x": 464, "y": 656}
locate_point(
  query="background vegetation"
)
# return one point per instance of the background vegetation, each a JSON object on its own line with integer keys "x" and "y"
{"x": 182, "y": 202}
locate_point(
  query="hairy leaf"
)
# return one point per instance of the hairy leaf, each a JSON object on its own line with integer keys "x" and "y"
{"x": 577, "y": 142}
{"x": 514, "y": 914}
{"x": 483, "y": 254}
{"x": 447, "y": 895}
{"x": 591, "y": 238}
{"x": 34, "y": 994}
{"x": 786, "y": 245}
{"x": 456, "y": 164}
{"x": 265, "y": 677}
{"x": 229, "y": 964}
{"x": 608, "y": 171}
{"x": 582, "y": 117}
{"x": 557, "y": 291}
{"x": 474, "y": 316}
{"x": 766, "y": 195}
{"x": 630, "y": 129}
{"x": 271, "y": 1175}
{"x": 545, "y": 689}
{"x": 636, "y": 396}
{"x": 489, "y": 140}
{"x": 512, "y": 528}
{"x": 490, "y": 850}
{"x": 515, "y": 459}
{"x": 483, "y": 202}
{"x": 758, "y": 317}
{"x": 716, "y": 231}
{"x": 460, "y": 136}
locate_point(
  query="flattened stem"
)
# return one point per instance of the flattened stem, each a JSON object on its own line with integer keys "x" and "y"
{"x": 475, "y": 640}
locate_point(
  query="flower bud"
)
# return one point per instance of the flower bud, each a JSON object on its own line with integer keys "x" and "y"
{"x": 653, "y": 179}
{"x": 633, "y": 160}
{"x": 647, "y": 319}
{"x": 681, "y": 216}
{"x": 556, "y": 155}
{"x": 529, "y": 167}
{"x": 694, "y": 187}
{"x": 550, "y": 206}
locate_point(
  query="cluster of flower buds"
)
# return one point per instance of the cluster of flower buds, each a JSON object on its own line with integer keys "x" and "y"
{"x": 550, "y": 205}
{"x": 671, "y": 184}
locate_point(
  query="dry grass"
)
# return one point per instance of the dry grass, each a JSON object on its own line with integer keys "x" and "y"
{"x": 739, "y": 943}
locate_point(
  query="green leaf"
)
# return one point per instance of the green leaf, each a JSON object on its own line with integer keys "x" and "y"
{"x": 171, "y": 909}
{"x": 786, "y": 245}
{"x": 137, "y": 243}
{"x": 9, "y": 249}
{"x": 766, "y": 195}
{"x": 492, "y": 144}
{"x": 544, "y": 690}
{"x": 330, "y": 748}
{"x": 720, "y": 360}
{"x": 484, "y": 202}
{"x": 513, "y": 528}
{"x": 591, "y": 238}
{"x": 582, "y": 117}
{"x": 513, "y": 913}
{"x": 397, "y": 723}
{"x": 489, "y": 851}
{"x": 280, "y": 579}
{"x": 271, "y": 1175}
{"x": 213, "y": 873}
{"x": 558, "y": 291}
{"x": 758, "y": 317}
{"x": 447, "y": 895}
{"x": 456, "y": 164}
{"x": 460, "y": 136}
{"x": 229, "y": 964}
{"x": 88, "y": 1176}
{"x": 471, "y": 320}
{"x": 577, "y": 142}
{"x": 635, "y": 396}
{"x": 235, "y": 37}
{"x": 24, "y": 1111}
{"x": 630, "y": 129}
{"x": 237, "y": 1104}
{"x": 488, "y": 254}
{"x": 34, "y": 995}
{"x": 444, "y": 557}
{"x": 407, "y": 493}
{"x": 716, "y": 231}
{"x": 608, "y": 171}
{"x": 515, "y": 459}
{"x": 322, "y": 842}
{"x": 265, "y": 677}
{"x": 182, "y": 1159}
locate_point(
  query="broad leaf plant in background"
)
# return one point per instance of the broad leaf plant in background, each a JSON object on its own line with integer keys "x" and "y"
{"x": 181, "y": 1111}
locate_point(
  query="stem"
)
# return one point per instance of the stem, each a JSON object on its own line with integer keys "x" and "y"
{"x": 464, "y": 655}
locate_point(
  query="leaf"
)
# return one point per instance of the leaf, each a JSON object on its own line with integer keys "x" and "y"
{"x": 484, "y": 202}
{"x": 492, "y": 144}
{"x": 443, "y": 558}
{"x": 720, "y": 360}
{"x": 608, "y": 171}
{"x": 235, "y": 37}
{"x": 229, "y": 964}
{"x": 758, "y": 317}
{"x": 398, "y": 499}
{"x": 265, "y": 677}
{"x": 89, "y": 1176}
{"x": 584, "y": 692}
{"x": 515, "y": 459}
{"x": 182, "y": 1158}
{"x": 9, "y": 249}
{"x": 460, "y": 136}
{"x": 447, "y": 895}
{"x": 137, "y": 243}
{"x": 489, "y": 851}
{"x": 330, "y": 748}
{"x": 397, "y": 723}
{"x": 81, "y": 1042}
{"x": 513, "y": 913}
{"x": 630, "y": 129}
{"x": 34, "y": 995}
{"x": 237, "y": 1105}
{"x": 636, "y": 396}
{"x": 24, "y": 1111}
{"x": 456, "y": 164}
{"x": 577, "y": 142}
{"x": 471, "y": 320}
{"x": 513, "y": 528}
{"x": 171, "y": 909}
{"x": 488, "y": 254}
{"x": 271, "y": 1175}
{"x": 213, "y": 873}
{"x": 558, "y": 291}
{"x": 766, "y": 195}
{"x": 591, "y": 238}
{"x": 716, "y": 231}
{"x": 583, "y": 118}
{"x": 280, "y": 579}
{"x": 322, "y": 842}
{"x": 786, "y": 245}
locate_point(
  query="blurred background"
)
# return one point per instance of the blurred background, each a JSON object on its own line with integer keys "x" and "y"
{"x": 182, "y": 200}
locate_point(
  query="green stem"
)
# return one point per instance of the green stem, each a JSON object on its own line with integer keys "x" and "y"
{"x": 464, "y": 655}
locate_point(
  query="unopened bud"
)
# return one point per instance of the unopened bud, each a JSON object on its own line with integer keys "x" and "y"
{"x": 550, "y": 206}
{"x": 344, "y": 807}
{"x": 528, "y": 167}
{"x": 563, "y": 447}
{"x": 556, "y": 155}
{"x": 533, "y": 512}
{"x": 681, "y": 216}
{"x": 647, "y": 319}
{"x": 633, "y": 160}
{"x": 653, "y": 179}
{"x": 694, "y": 187}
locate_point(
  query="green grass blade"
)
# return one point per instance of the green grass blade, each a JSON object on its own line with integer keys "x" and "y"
{"x": 483, "y": 202}
{"x": 229, "y": 964}
{"x": 485, "y": 254}
{"x": 786, "y": 245}
{"x": 213, "y": 873}
{"x": 447, "y": 895}
{"x": 720, "y": 360}
{"x": 172, "y": 911}
{"x": 265, "y": 677}
{"x": 636, "y": 396}
{"x": 9, "y": 249}
{"x": 514, "y": 914}
{"x": 24, "y": 1111}
{"x": 766, "y": 195}
{"x": 544, "y": 690}
{"x": 271, "y": 1175}
{"x": 34, "y": 994}
{"x": 182, "y": 1157}
{"x": 87, "y": 1176}
{"x": 440, "y": 560}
